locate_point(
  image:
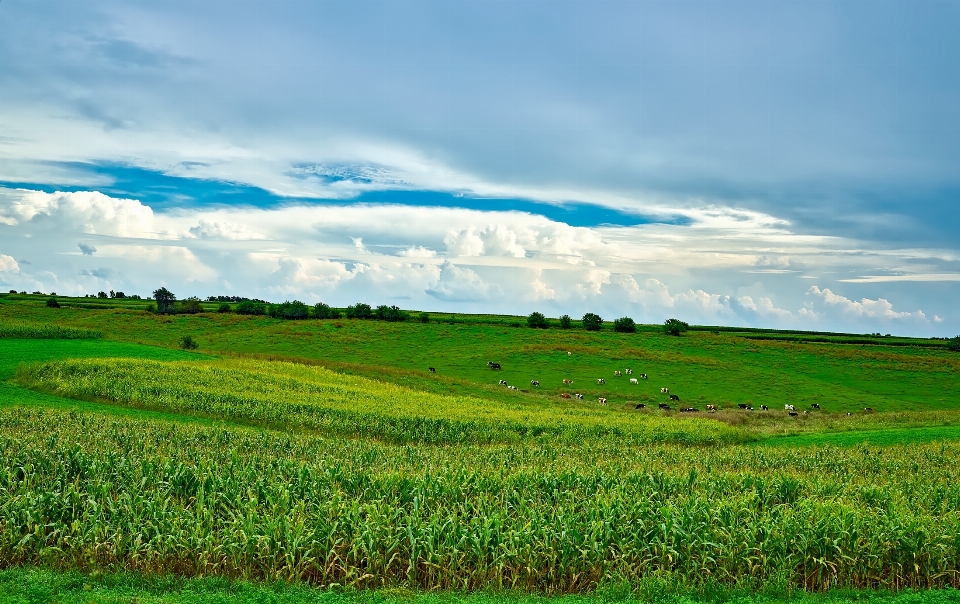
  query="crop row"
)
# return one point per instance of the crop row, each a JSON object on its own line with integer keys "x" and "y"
{"x": 88, "y": 491}
{"x": 46, "y": 331}
{"x": 298, "y": 397}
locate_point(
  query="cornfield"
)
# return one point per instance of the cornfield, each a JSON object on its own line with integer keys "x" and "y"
{"x": 92, "y": 491}
{"x": 45, "y": 331}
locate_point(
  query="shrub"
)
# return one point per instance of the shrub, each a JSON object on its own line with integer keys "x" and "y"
{"x": 624, "y": 325}
{"x": 224, "y": 308}
{"x": 52, "y": 303}
{"x": 290, "y": 311}
{"x": 592, "y": 322}
{"x": 424, "y": 317}
{"x": 955, "y": 344}
{"x": 565, "y": 322}
{"x": 321, "y": 311}
{"x": 359, "y": 311}
{"x": 13, "y": 291}
{"x": 335, "y": 314}
{"x": 165, "y": 299}
{"x": 537, "y": 321}
{"x": 188, "y": 343}
{"x": 190, "y": 306}
{"x": 101, "y": 295}
{"x": 390, "y": 313}
{"x": 674, "y": 327}
{"x": 151, "y": 308}
{"x": 251, "y": 307}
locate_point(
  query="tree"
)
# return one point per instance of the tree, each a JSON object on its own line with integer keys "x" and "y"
{"x": 290, "y": 311}
{"x": 188, "y": 343}
{"x": 165, "y": 299}
{"x": 592, "y": 322}
{"x": 624, "y": 325}
{"x": 251, "y": 307}
{"x": 955, "y": 344}
{"x": 190, "y": 306}
{"x": 224, "y": 308}
{"x": 565, "y": 322}
{"x": 52, "y": 303}
{"x": 359, "y": 311}
{"x": 674, "y": 327}
{"x": 321, "y": 311}
{"x": 424, "y": 317}
{"x": 101, "y": 295}
{"x": 536, "y": 320}
{"x": 390, "y": 313}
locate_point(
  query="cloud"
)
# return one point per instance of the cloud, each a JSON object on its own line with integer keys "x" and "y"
{"x": 8, "y": 264}
{"x": 865, "y": 308}
{"x": 224, "y": 230}
{"x": 100, "y": 273}
{"x": 764, "y": 307}
{"x": 893, "y": 278}
{"x": 87, "y": 249}
{"x": 457, "y": 284}
{"x": 493, "y": 240}
{"x": 417, "y": 251}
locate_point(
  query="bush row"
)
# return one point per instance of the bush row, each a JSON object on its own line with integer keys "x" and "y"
{"x": 593, "y": 322}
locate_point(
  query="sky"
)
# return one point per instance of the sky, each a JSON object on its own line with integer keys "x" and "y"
{"x": 787, "y": 164}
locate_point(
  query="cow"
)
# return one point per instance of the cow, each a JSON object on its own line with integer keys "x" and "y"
{"x": 643, "y": 376}
{"x": 617, "y": 373}
{"x": 602, "y": 401}
{"x": 511, "y": 387}
{"x": 493, "y": 365}
{"x": 634, "y": 381}
{"x": 567, "y": 381}
{"x": 664, "y": 406}
{"x": 564, "y": 395}
{"x": 764, "y": 408}
{"x": 664, "y": 391}
{"x": 601, "y": 381}
{"x": 640, "y": 406}
{"x": 502, "y": 383}
{"x": 569, "y": 353}
{"x": 628, "y": 371}
{"x": 742, "y": 405}
{"x": 868, "y": 409}
{"x": 711, "y": 407}
{"x": 814, "y": 406}
{"x": 674, "y": 397}
{"x": 792, "y": 413}
{"x": 578, "y": 396}
{"x": 848, "y": 413}
{"x": 432, "y": 369}
{"x": 689, "y": 410}
{"x": 789, "y": 408}
{"x": 535, "y": 383}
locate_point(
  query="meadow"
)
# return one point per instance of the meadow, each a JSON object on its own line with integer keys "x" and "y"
{"x": 323, "y": 453}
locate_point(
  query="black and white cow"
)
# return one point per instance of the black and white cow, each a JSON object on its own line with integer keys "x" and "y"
{"x": 674, "y": 397}
{"x": 432, "y": 369}
{"x": 601, "y": 381}
{"x": 643, "y": 376}
{"x": 664, "y": 406}
{"x": 502, "y": 383}
{"x": 711, "y": 407}
{"x": 814, "y": 405}
{"x": 640, "y": 406}
{"x": 493, "y": 365}
{"x": 634, "y": 381}
{"x": 664, "y": 391}
{"x": 602, "y": 400}
{"x": 764, "y": 408}
{"x": 534, "y": 383}
{"x": 578, "y": 396}
{"x": 789, "y": 408}
{"x": 617, "y": 373}
{"x": 628, "y": 371}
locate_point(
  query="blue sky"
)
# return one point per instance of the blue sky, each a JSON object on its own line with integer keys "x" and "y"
{"x": 788, "y": 164}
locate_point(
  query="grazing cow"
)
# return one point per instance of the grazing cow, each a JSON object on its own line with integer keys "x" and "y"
{"x": 711, "y": 407}
{"x": 494, "y": 365}
{"x": 578, "y": 396}
{"x": 689, "y": 410}
{"x": 535, "y": 383}
{"x": 793, "y": 413}
{"x": 617, "y": 373}
{"x": 848, "y": 413}
{"x": 789, "y": 408}
{"x": 674, "y": 397}
{"x": 742, "y": 405}
{"x": 868, "y": 409}
{"x": 634, "y": 381}
{"x": 628, "y": 371}
{"x": 664, "y": 391}
{"x": 664, "y": 406}
{"x": 643, "y": 376}
{"x": 567, "y": 381}
{"x": 814, "y": 406}
{"x": 511, "y": 387}
{"x": 502, "y": 382}
{"x": 564, "y": 395}
{"x": 432, "y": 369}
{"x": 601, "y": 381}
{"x": 764, "y": 408}
{"x": 602, "y": 401}
{"x": 640, "y": 406}
{"x": 569, "y": 353}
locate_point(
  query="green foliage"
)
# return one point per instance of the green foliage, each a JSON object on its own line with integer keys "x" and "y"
{"x": 955, "y": 344}
{"x": 592, "y": 322}
{"x": 424, "y": 317}
{"x": 537, "y": 321}
{"x": 321, "y": 311}
{"x": 624, "y": 325}
{"x": 291, "y": 311}
{"x": 674, "y": 327}
{"x": 223, "y": 308}
{"x": 359, "y": 311}
{"x": 565, "y": 322}
{"x": 190, "y": 306}
{"x": 165, "y": 300}
{"x": 188, "y": 343}
{"x": 101, "y": 295}
{"x": 390, "y": 313}
{"x": 251, "y": 307}
{"x": 52, "y": 303}
{"x": 46, "y": 331}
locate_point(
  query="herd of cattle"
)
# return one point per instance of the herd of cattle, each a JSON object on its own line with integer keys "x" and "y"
{"x": 790, "y": 409}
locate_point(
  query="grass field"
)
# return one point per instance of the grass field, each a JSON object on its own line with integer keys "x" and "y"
{"x": 323, "y": 453}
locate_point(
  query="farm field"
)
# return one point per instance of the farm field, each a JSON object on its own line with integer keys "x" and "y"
{"x": 321, "y": 453}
